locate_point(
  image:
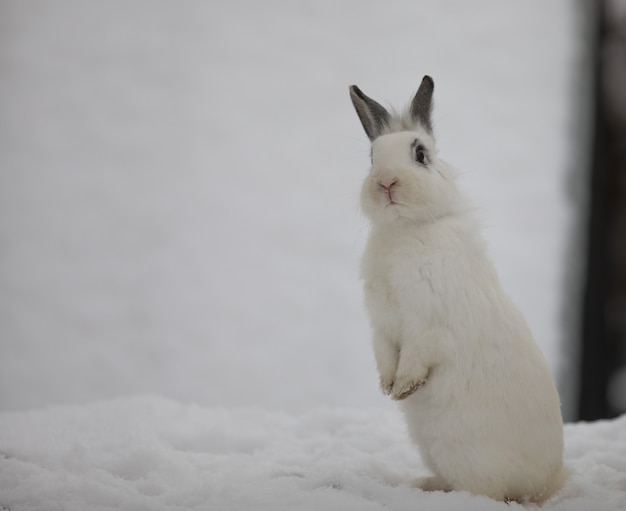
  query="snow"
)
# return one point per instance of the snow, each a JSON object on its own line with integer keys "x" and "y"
{"x": 148, "y": 453}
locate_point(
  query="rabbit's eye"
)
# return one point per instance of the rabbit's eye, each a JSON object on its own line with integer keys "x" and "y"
{"x": 420, "y": 155}
{"x": 419, "y": 152}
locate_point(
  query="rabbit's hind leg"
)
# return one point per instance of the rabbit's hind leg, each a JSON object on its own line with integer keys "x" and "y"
{"x": 431, "y": 483}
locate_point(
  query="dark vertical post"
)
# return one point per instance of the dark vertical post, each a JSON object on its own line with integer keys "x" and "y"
{"x": 604, "y": 325}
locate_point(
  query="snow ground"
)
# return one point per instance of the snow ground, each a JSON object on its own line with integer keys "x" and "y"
{"x": 153, "y": 454}
{"x": 179, "y": 186}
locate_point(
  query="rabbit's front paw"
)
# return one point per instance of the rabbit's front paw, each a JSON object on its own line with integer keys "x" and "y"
{"x": 404, "y": 387}
{"x": 386, "y": 385}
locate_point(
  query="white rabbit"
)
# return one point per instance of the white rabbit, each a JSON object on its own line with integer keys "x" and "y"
{"x": 478, "y": 396}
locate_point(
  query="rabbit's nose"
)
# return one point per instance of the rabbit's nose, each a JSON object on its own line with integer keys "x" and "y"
{"x": 388, "y": 184}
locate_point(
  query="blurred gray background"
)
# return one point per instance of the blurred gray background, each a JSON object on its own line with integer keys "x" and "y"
{"x": 179, "y": 187}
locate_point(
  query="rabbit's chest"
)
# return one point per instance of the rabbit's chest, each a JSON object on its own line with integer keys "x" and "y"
{"x": 404, "y": 279}
{"x": 393, "y": 293}
{"x": 402, "y": 273}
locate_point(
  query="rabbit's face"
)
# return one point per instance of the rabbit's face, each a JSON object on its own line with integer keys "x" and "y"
{"x": 406, "y": 180}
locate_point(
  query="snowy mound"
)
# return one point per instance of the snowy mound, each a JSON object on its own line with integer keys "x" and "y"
{"x": 154, "y": 454}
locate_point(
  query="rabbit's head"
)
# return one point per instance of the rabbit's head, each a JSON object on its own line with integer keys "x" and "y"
{"x": 407, "y": 180}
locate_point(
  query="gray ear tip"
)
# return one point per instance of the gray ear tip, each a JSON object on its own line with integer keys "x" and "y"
{"x": 427, "y": 80}
{"x": 355, "y": 91}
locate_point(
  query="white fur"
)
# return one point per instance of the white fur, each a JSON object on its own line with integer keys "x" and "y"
{"x": 478, "y": 396}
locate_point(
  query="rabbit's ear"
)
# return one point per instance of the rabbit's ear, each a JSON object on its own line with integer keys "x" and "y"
{"x": 422, "y": 104}
{"x": 374, "y": 117}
